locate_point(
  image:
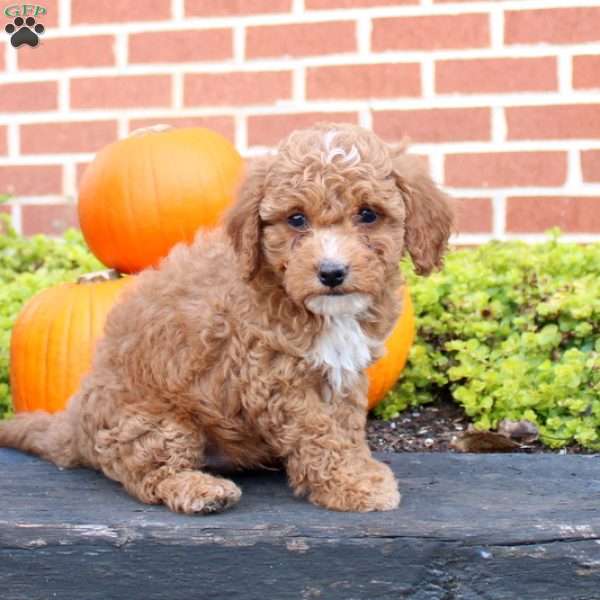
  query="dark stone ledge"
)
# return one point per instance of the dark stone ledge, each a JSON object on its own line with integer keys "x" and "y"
{"x": 511, "y": 526}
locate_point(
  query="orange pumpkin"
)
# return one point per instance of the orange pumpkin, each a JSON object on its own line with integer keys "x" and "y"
{"x": 144, "y": 194}
{"x": 53, "y": 341}
{"x": 385, "y": 372}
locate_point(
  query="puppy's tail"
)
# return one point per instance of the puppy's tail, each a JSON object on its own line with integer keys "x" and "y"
{"x": 48, "y": 436}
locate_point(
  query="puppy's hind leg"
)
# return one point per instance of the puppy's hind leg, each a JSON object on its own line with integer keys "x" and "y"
{"x": 157, "y": 461}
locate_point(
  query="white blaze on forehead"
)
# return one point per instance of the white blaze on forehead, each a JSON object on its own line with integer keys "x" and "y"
{"x": 330, "y": 245}
{"x": 331, "y": 152}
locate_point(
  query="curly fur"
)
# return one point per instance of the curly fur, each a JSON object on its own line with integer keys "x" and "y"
{"x": 234, "y": 343}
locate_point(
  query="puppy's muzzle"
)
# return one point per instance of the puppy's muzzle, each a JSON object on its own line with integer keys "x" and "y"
{"x": 332, "y": 273}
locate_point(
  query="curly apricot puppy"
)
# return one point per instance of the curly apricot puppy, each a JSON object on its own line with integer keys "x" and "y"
{"x": 254, "y": 339}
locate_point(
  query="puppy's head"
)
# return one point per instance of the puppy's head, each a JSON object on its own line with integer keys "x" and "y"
{"x": 331, "y": 214}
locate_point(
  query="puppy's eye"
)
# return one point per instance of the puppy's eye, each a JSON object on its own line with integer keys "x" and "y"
{"x": 298, "y": 221}
{"x": 367, "y": 216}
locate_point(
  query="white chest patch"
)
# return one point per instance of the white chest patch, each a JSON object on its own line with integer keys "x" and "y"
{"x": 343, "y": 349}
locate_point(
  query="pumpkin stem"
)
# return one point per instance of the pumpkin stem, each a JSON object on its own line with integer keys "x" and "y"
{"x": 151, "y": 129}
{"x": 99, "y": 276}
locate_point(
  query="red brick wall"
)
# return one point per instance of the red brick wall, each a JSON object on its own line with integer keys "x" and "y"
{"x": 501, "y": 96}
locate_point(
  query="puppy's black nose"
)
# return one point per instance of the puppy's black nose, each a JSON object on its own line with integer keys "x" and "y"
{"x": 332, "y": 273}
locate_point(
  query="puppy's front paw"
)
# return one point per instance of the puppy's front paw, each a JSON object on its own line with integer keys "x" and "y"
{"x": 373, "y": 487}
{"x": 194, "y": 492}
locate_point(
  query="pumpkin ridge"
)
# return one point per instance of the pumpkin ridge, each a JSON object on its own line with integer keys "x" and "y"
{"x": 18, "y": 349}
{"x": 44, "y": 377}
{"x": 130, "y": 223}
{"x": 65, "y": 352}
{"x": 106, "y": 212}
{"x": 40, "y": 395}
{"x": 163, "y": 238}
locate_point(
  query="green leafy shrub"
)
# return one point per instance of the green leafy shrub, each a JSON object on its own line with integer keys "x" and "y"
{"x": 28, "y": 265}
{"x": 510, "y": 330}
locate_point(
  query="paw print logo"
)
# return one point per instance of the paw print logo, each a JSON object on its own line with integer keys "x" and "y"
{"x": 24, "y": 32}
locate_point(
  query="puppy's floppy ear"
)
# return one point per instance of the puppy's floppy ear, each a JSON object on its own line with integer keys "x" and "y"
{"x": 429, "y": 216}
{"x": 242, "y": 222}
